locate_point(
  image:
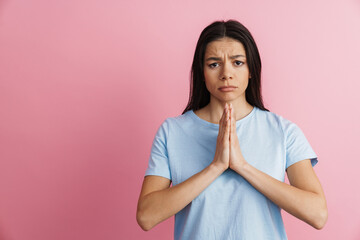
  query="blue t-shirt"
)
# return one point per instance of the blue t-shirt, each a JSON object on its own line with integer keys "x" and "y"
{"x": 229, "y": 208}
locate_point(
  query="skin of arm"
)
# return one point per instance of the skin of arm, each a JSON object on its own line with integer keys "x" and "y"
{"x": 158, "y": 201}
{"x": 304, "y": 198}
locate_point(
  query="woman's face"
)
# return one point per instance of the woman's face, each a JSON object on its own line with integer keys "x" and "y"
{"x": 225, "y": 65}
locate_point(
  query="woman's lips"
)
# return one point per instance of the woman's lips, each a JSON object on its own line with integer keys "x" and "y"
{"x": 227, "y": 89}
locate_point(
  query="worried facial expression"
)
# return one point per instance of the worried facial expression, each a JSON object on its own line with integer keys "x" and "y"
{"x": 225, "y": 69}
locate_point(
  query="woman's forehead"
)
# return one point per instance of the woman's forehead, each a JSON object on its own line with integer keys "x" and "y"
{"x": 225, "y": 46}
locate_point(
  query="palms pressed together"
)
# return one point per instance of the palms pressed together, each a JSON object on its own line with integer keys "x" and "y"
{"x": 228, "y": 152}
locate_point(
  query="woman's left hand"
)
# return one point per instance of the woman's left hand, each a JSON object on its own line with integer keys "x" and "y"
{"x": 237, "y": 160}
{"x": 310, "y": 205}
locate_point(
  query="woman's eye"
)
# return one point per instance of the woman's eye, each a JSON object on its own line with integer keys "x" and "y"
{"x": 213, "y": 65}
{"x": 238, "y": 63}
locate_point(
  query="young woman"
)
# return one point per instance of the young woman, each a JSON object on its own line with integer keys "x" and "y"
{"x": 226, "y": 155}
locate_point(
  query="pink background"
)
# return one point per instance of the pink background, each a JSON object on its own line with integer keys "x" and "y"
{"x": 84, "y": 85}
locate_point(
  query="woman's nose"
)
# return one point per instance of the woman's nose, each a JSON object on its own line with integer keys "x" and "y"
{"x": 225, "y": 72}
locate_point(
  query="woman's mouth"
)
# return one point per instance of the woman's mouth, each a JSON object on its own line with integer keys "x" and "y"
{"x": 227, "y": 88}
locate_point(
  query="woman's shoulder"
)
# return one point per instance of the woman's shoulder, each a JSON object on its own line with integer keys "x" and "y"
{"x": 177, "y": 119}
{"x": 275, "y": 119}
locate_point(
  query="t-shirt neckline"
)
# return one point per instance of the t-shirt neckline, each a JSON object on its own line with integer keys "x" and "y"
{"x": 215, "y": 125}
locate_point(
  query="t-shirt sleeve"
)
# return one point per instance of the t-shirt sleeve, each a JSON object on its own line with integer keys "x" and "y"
{"x": 159, "y": 160}
{"x": 297, "y": 146}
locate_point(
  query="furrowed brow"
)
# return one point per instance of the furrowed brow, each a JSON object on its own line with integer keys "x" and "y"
{"x": 213, "y": 58}
{"x": 219, "y": 59}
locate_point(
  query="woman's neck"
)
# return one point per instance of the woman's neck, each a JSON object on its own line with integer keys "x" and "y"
{"x": 214, "y": 110}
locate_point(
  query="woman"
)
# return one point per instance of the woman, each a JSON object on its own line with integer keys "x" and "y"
{"x": 226, "y": 155}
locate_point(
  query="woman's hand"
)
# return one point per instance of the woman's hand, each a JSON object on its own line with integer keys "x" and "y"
{"x": 303, "y": 199}
{"x": 237, "y": 160}
{"x": 222, "y": 152}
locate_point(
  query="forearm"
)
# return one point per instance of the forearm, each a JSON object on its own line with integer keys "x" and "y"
{"x": 160, "y": 205}
{"x": 305, "y": 205}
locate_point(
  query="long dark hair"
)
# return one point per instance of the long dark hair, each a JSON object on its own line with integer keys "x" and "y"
{"x": 199, "y": 95}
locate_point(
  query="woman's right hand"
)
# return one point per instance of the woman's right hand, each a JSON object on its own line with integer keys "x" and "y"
{"x": 222, "y": 152}
{"x": 158, "y": 201}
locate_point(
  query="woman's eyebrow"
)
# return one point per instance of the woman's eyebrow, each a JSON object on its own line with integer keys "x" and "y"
{"x": 218, "y": 59}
